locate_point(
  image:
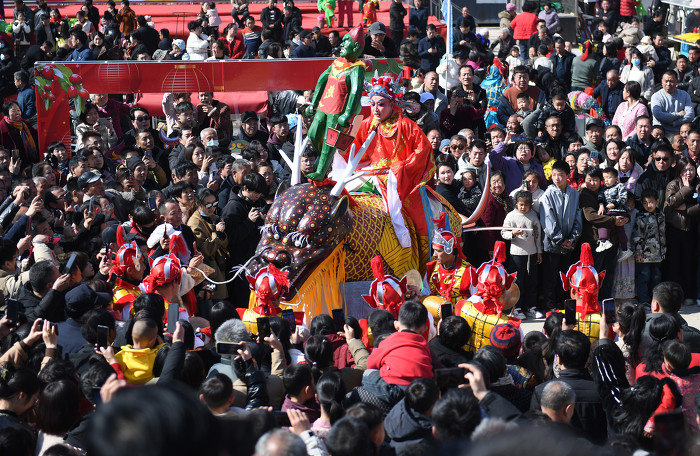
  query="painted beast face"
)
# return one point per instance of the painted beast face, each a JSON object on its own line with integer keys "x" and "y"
{"x": 304, "y": 225}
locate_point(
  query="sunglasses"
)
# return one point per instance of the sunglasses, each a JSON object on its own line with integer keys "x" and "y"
{"x": 458, "y": 146}
{"x": 662, "y": 159}
{"x": 210, "y": 205}
{"x": 142, "y": 118}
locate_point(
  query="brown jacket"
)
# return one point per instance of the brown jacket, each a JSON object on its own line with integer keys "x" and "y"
{"x": 676, "y": 196}
{"x": 213, "y": 246}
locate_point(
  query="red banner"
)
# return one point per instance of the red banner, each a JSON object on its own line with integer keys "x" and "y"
{"x": 56, "y": 83}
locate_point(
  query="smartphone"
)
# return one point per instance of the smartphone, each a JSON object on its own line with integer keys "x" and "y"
{"x": 446, "y": 310}
{"x": 281, "y": 418}
{"x": 173, "y": 317}
{"x": 570, "y": 311}
{"x": 339, "y": 319}
{"x": 288, "y": 314}
{"x": 91, "y": 205}
{"x": 609, "y": 309}
{"x": 148, "y": 153}
{"x": 450, "y": 377}
{"x": 102, "y": 336}
{"x": 15, "y": 154}
{"x": 524, "y": 186}
{"x": 595, "y": 155}
{"x": 518, "y": 138}
{"x": 227, "y": 348}
{"x": 152, "y": 203}
{"x": 264, "y": 327}
{"x": 12, "y": 310}
{"x": 54, "y": 327}
{"x": 69, "y": 264}
{"x": 96, "y": 398}
{"x": 461, "y": 93}
{"x": 670, "y": 438}
{"x": 29, "y": 225}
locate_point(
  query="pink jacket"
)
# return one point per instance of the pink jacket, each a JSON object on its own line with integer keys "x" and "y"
{"x": 625, "y": 118}
{"x": 628, "y": 8}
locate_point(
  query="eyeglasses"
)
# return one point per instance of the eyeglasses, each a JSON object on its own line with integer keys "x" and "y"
{"x": 210, "y": 205}
{"x": 458, "y": 146}
{"x": 142, "y": 118}
{"x": 662, "y": 159}
{"x": 554, "y": 126}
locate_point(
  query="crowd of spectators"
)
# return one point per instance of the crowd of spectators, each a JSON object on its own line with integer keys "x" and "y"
{"x": 90, "y": 365}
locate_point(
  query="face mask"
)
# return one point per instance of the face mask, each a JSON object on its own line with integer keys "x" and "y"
{"x": 213, "y": 142}
{"x": 636, "y": 62}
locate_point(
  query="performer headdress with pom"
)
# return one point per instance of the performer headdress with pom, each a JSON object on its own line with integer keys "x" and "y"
{"x": 128, "y": 256}
{"x": 387, "y": 86}
{"x": 165, "y": 269}
{"x": 493, "y": 279}
{"x": 583, "y": 278}
{"x": 269, "y": 284}
{"x": 386, "y": 291}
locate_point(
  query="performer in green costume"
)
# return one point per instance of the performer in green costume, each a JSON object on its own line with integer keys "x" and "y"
{"x": 327, "y": 7}
{"x": 336, "y": 99}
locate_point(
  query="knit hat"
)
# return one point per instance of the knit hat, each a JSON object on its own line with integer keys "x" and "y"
{"x": 133, "y": 162}
{"x": 180, "y": 44}
{"x": 444, "y": 143}
{"x": 425, "y": 96}
{"x": 506, "y": 338}
{"x": 510, "y": 7}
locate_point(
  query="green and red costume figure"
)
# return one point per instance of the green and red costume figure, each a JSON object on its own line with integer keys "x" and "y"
{"x": 336, "y": 99}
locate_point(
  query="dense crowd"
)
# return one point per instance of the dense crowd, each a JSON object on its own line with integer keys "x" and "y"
{"x": 105, "y": 246}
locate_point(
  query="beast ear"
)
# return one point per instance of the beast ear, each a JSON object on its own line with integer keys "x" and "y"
{"x": 340, "y": 208}
{"x": 283, "y": 187}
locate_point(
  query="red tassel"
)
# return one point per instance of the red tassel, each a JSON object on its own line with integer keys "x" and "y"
{"x": 377, "y": 267}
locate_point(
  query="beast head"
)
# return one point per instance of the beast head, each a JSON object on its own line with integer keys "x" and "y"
{"x": 304, "y": 225}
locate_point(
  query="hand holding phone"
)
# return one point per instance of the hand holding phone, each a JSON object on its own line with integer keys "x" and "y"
{"x": 570, "y": 312}
{"x": 102, "y": 336}
{"x": 69, "y": 264}
{"x": 173, "y": 317}
{"x": 264, "y": 328}
{"x": 339, "y": 319}
{"x": 288, "y": 314}
{"x": 609, "y": 309}
{"x": 446, "y": 310}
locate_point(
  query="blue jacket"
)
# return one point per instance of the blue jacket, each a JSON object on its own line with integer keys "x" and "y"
{"x": 82, "y": 54}
{"x": 418, "y": 20}
{"x": 560, "y": 217}
{"x": 512, "y": 169}
{"x": 610, "y": 98}
{"x": 26, "y": 99}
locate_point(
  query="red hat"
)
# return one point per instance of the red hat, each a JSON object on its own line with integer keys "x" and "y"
{"x": 165, "y": 269}
{"x": 492, "y": 278}
{"x": 269, "y": 284}
{"x": 127, "y": 256}
{"x": 386, "y": 291}
{"x": 358, "y": 36}
{"x": 506, "y": 338}
{"x": 583, "y": 278}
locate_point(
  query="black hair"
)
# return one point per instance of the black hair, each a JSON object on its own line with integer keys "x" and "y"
{"x": 296, "y": 377}
{"x": 637, "y": 406}
{"x": 193, "y": 25}
{"x": 221, "y": 312}
{"x": 318, "y": 352}
{"x": 492, "y": 363}
{"x": 254, "y": 182}
{"x": 632, "y": 320}
{"x": 95, "y": 377}
{"x": 594, "y": 172}
{"x": 454, "y": 332}
{"x": 330, "y": 391}
{"x": 649, "y": 193}
{"x": 669, "y": 295}
{"x": 18, "y": 380}
{"x": 142, "y": 215}
{"x": 662, "y": 328}
{"x": 524, "y": 195}
{"x": 562, "y": 166}
{"x": 367, "y": 413}
{"x": 573, "y": 348}
{"x": 153, "y": 420}
{"x": 421, "y": 395}
{"x": 413, "y": 315}
{"x": 8, "y": 250}
{"x": 349, "y": 437}
{"x": 152, "y": 301}
{"x": 217, "y": 390}
{"x": 380, "y": 322}
{"x": 677, "y": 354}
{"x": 58, "y": 407}
{"x": 91, "y": 319}
{"x": 41, "y": 274}
{"x": 456, "y": 415}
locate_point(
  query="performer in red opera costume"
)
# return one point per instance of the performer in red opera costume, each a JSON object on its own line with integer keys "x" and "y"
{"x": 386, "y": 291}
{"x": 127, "y": 269}
{"x": 450, "y": 275}
{"x": 584, "y": 282}
{"x": 400, "y": 155}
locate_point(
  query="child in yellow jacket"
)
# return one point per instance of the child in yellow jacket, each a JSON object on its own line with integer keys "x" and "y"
{"x": 137, "y": 361}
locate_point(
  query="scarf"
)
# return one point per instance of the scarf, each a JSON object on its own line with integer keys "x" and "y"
{"x": 27, "y": 139}
{"x": 504, "y": 201}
